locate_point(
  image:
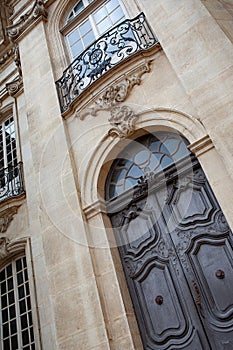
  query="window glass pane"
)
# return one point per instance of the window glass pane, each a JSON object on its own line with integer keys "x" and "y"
{"x": 13, "y": 327}
{"x": 10, "y": 284}
{"x": 24, "y": 322}
{"x": 14, "y": 342}
{"x": 104, "y": 26}
{"x": 22, "y": 306}
{"x": 85, "y": 27}
{"x": 19, "y": 278}
{"x": 78, "y": 8}
{"x": 9, "y": 270}
{"x": 88, "y": 39}
{"x": 77, "y": 49}
{"x": 100, "y": 14}
{"x": 4, "y": 316}
{"x": 25, "y": 337}
{"x": 5, "y": 330}
{"x": 11, "y": 298}
{"x": 12, "y": 311}
{"x": 2, "y": 275}
{"x": 3, "y": 287}
{"x": 111, "y": 5}
{"x": 6, "y": 344}
{"x": 4, "y": 301}
{"x": 73, "y": 37}
{"x": 117, "y": 15}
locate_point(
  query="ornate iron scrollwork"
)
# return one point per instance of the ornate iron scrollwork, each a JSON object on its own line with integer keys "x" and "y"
{"x": 110, "y": 49}
{"x": 11, "y": 182}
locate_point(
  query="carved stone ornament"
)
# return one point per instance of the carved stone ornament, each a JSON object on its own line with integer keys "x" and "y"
{"x": 122, "y": 118}
{"x": 6, "y": 217}
{"x": 7, "y": 55}
{"x": 4, "y": 241}
{"x": 15, "y": 87}
{"x": 38, "y": 10}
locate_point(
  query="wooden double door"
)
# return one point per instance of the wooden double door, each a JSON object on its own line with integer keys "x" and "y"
{"x": 176, "y": 250}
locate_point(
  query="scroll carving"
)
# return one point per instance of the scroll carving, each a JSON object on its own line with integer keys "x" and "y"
{"x": 38, "y": 10}
{"x": 122, "y": 118}
{"x": 15, "y": 86}
{"x": 6, "y": 217}
{"x": 4, "y": 247}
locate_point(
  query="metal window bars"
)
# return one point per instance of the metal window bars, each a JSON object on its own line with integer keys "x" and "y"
{"x": 122, "y": 41}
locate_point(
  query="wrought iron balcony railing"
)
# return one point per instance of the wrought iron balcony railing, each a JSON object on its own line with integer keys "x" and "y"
{"x": 11, "y": 182}
{"x": 122, "y": 41}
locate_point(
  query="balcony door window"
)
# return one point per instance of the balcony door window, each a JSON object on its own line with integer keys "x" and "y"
{"x": 94, "y": 25}
{"x": 8, "y": 154}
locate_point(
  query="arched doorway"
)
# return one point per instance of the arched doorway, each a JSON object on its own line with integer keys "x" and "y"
{"x": 175, "y": 245}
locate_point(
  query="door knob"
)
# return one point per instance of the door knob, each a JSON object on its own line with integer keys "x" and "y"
{"x": 159, "y": 299}
{"x": 220, "y": 274}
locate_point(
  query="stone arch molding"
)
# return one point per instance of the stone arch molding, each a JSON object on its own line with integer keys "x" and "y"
{"x": 156, "y": 118}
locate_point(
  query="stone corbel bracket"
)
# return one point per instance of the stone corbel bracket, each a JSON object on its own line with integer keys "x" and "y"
{"x": 15, "y": 87}
{"x": 122, "y": 118}
{"x": 8, "y": 247}
{"x": 26, "y": 21}
{"x": 6, "y": 216}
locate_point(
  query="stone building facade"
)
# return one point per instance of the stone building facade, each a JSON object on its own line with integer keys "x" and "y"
{"x": 82, "y": 82}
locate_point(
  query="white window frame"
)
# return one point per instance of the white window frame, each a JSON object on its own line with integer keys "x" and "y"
{"x": 18, "y": 314}
{"x": 86, "y": 13}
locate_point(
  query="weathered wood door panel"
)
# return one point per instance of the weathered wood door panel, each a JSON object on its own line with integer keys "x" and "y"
{"x": 176, "y": 250}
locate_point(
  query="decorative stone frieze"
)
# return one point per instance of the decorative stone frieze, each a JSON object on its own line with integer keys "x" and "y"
{"x": 37, "y": 11}
{"x": 122, "y": 118}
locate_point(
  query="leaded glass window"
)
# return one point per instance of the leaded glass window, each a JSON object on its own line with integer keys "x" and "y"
{"x": 16, "y": 326}
{"x": 144, "y": 156}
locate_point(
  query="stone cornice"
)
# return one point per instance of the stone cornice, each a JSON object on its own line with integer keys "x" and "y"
{"x": 26, "y": 21}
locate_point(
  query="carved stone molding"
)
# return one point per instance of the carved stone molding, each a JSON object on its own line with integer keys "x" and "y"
{"x": 201, "y": 146}
{"x": 6, "y": 216}
{"x": 94, "y": 209}
{"x": 15, "y": 87}
{"x": 8, "y": 247}
{"x": 122, "y": 118}
{"x": 13, "y": 54}
{"x": 4, "y": 241}
{"x": 37, "y": 11}
{"x": 7, "y": 55}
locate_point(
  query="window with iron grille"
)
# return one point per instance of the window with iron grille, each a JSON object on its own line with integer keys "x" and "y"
{"x": 94, "y": 25}
{"x": 16, "y": 324}
{"x": 8, "y": 153}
